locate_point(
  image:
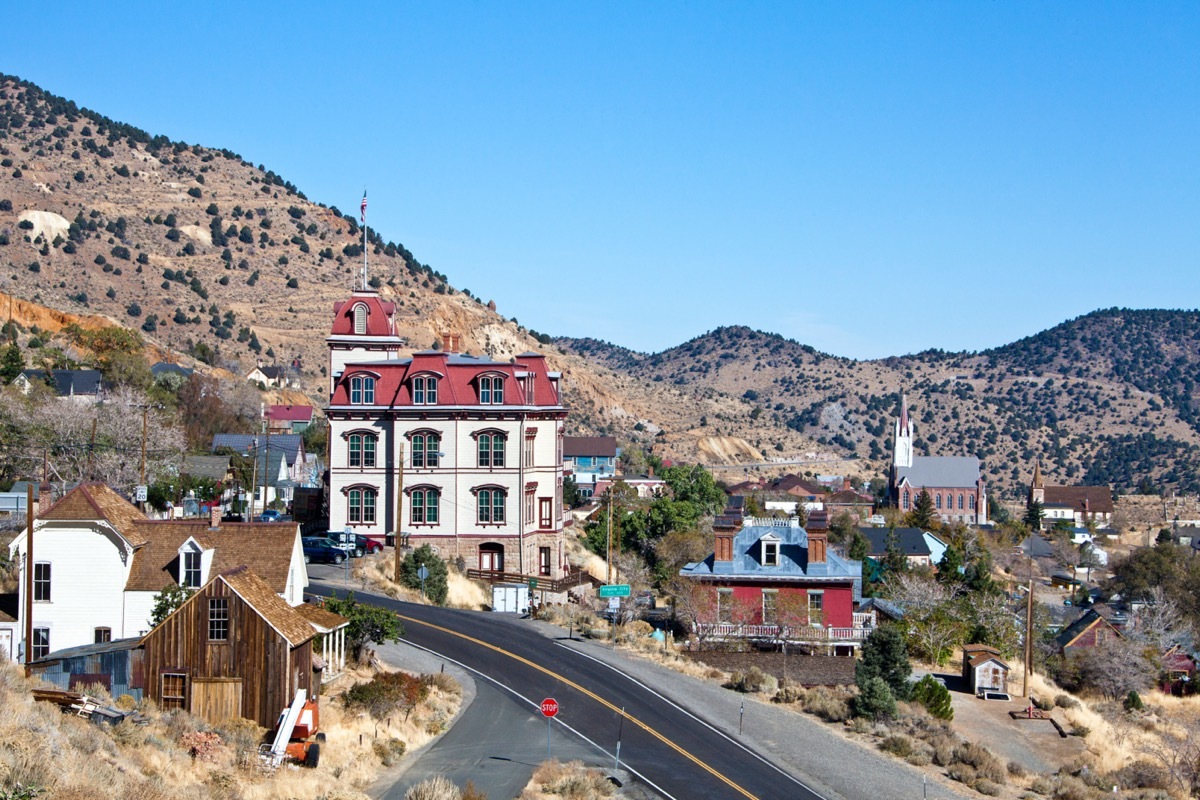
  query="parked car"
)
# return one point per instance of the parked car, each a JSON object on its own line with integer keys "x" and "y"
{"x": 350, "y": 548}
{"x": 645, "y": 599}
{"x": 321, "y": 550}
{"x": 233, "y": 518}
{"x": 365, "y": 544}
{"x": 270, "y": 515}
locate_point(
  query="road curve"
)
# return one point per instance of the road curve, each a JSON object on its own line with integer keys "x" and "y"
{"x": 673, "y": 750}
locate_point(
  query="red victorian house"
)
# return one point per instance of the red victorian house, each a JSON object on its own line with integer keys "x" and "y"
{"x": 772, "y": 580}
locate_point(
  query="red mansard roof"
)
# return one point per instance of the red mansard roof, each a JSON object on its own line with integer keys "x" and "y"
{"x": 457, "y": 375}
{"x": 379, "y": 315}
{"x": 290, "y": 413}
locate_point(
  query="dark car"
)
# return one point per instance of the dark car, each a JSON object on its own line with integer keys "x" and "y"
{"x": 322, "y": 551}
{"x": 233, "y": 518}
{"x": 365, "y": 544}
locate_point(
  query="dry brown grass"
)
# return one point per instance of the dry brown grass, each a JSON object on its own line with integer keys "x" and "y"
{"x": 375, "y": 573}
{"x": 71, "y": 758}
{"x": 572, "y": 781}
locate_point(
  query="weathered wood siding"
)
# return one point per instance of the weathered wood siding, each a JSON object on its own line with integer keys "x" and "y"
{"x": 270, "y": 670}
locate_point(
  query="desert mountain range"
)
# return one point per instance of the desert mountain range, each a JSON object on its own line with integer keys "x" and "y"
{"x": 220, "y": 263}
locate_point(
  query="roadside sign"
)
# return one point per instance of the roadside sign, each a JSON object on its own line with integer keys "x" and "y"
{"x": 549, "y": 707}
{"x": 139, "y": 494}
{"x": 532, "y": 584}
{"x": 422, "y": 572}
{"x": 615, "y": 590}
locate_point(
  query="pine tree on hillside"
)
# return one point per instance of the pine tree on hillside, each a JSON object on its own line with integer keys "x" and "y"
{"x": 923, "y": 515}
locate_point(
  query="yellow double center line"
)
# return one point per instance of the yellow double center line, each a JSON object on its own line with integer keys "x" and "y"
{"x": 592, "y": 695}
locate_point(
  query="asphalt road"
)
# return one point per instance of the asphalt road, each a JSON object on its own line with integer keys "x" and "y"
{"x": 672, "y": 750}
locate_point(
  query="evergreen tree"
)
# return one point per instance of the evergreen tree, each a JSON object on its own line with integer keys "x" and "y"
{"x": 858, "y": 549}
{"x": 894, "y": 559}
{"x": 12, "y": 363}
{"x": 437, "y": 584}
{"x": 952, "y": 560}
{"x": 1033, "y": 516}
{"x": 934, "y": 696}
{"x": 884, "y": 655}
{"x": 874, "y": 701}
{"x": 923, "y": 515}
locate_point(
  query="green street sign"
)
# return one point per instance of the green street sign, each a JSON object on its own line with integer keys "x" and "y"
{"x": 532, "y": 583}
{"x": 615, "y": 590}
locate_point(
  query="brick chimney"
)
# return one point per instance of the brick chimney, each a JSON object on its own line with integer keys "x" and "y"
{"x": 214, "y": 516}
{"x": 723, "y": 546}
{"x": 846, "y": 485}
{"x": 451, "y": 342}
{"x": 818, "y": 543}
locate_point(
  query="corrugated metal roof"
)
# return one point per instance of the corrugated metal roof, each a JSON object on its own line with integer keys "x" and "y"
{"x": 959, "y": 472}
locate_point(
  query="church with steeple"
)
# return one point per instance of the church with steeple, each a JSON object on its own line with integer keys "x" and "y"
{"x": 954, "y": 483}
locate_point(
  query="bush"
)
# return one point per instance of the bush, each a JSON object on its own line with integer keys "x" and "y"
{"x": 919, "y": 758}
{"x": 982, "y": 761}
{"x": 293, "y": 283}
{"x": 827, "y": 705}
{"x": 934, "y": 696}
{"x": 436, "y": 788}
{"x": 789, "y": 692}
{"x": 1069, "y": 788}
{"x": 753, "y": 680}
{"x": 194, "y": 192}
{"x": 963, "y": 773}
{"x": 984, "y": 786}
{"x": 1042, "y": 785}
{"x": 390, "y": 751}
{"x": 387, "y": 693}
{"x": 1042, "y": 703}
{"x": 1016, "y": 770}
{"x": 1066, "y": 701}
{"x": 898, "y": 745}
{"x": 874, "y": 700}
{"x": 1133, "y": 702}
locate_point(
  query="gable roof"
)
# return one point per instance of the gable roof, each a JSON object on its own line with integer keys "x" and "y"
{"x": 320, "y": 617}
{"x": 291, "y": 444}
{"x": 286, "y": 621}
{"x": 67, "y": 382}
{"x": 602, "y": 446}
{"x": 211, "y": 467}
{"x": 911, "y": 541}
{"x": 1087, "y": 620}
{"x": 1098, "y": 498}
{"x": 941, "y": 472}
{"x": 94, "y": 501}
{"x": 167, "y": 368}
{"x": 290, "y": 413}
{"x": 264, "y": 547}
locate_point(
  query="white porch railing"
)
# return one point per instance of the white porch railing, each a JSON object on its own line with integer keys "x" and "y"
{"x": 810, "y": 635}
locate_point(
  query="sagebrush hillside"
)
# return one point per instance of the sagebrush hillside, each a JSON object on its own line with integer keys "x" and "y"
{"x": 213, "y": 258}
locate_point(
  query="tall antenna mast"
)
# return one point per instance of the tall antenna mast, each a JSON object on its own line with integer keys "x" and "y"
{"x": 363, "y": 213}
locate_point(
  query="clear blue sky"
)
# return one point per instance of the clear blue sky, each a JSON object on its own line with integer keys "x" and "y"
{"x": 868, "y": 178}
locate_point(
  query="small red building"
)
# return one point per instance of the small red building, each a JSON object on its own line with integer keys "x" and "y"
{"x": 773, "y": 580}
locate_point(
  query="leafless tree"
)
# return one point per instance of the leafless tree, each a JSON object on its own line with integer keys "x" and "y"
{"x": 1178, "y": 753}
{"x": 1160, "y": 623}
{"x": 1114, "y": 667}
{"x": 931, "y": 615}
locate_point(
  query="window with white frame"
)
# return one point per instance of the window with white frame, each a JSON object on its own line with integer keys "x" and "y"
{"x": 423, "y": 506}
{"x": 491, "y": 390}
{"x": 360, "y": 319}
{"x": 361, "y": 506}
{"x": 362, "y": 390}
{"x": 816, "y": 605}
{"x": 424, "y": 390}
{"x": 41, "y": 582}
{"x": 41, "y": 643}
{"x": 724, "y": 605}
{"x": 770, "y": 604}
{"x": 425, "y": 448}
{"x": 362, "y": 450}
{"x": 529, "y": 440}
{"x": 490, "y": 506}
{"x": 491, "y": 449}
{"x": 529, "y": 498}
{"x": 190, "y": 573}
{"x": 770, "y": 552}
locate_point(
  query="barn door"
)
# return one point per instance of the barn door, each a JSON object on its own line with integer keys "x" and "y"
{"x": 217, "y": 699}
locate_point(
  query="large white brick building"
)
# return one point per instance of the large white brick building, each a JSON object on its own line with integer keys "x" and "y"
{"x": 455, "y": 450}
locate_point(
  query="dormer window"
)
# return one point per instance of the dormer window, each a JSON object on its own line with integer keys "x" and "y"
{"x": 360, "y": 320}
{"x": 189, "y": 572}
{"x": 424, "y": 390}
{"x": 770, "y": 552}
{"x": 362, "y": 390}
{"x": 491, "y": 390}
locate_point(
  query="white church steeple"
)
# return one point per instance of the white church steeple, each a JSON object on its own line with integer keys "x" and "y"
{"x": 902, "y": 454}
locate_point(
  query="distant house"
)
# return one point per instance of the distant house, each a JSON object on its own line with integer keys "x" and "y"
{"x": 589, "y": 459}
{"x": 288, "y": 419}
{"x": 1089, "y": 630}
{"x": 1079, "y": 505}
{"x": 646, "y": 486}
{"x": 79, "y": 385}
{"x": 163, "y": 368}
{"x": 213, "y": 468}
{"x": 268, "y": 376}
{"x": 291, "y": 445}
{"x": 911, "y": 542}
{"x": 773, "y": 580}
{"x": 233, "y": 649}
{"x": 860, "y": 505}
{"x": 983, "y": 670}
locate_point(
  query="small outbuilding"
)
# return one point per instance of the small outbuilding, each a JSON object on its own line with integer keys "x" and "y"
{"x": 983, "y": 669}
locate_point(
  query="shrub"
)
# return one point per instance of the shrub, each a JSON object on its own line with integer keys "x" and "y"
{"x": 436, "y": 788}
{"x": 753, "y": 680}
{"x": 194, "y": 192}
{"x": 1042, "y": 785}
{"x": 963, "y": 773}
{"x": 789, "y": 692}
{"x": 390, "y": 751}
{"x": 1133, "y": 702}
{"x": 292, "y": 282}
{"x": 827, "y": 705}
{"x": 919, "y": 758}
{"x": 1069, "y": 788}
{"x": 898, "y": 745}
{"x": 1043, "y": 703}
{"x": 1066, "y": 701}
{"x": 387, "y": 693}
{"x": 984, "y": 786}
{"x": 982, "y": 761}
{"x": 874, "y": 700}
{"x": 934, "y": 696}
{"x": 1016, "y": 770}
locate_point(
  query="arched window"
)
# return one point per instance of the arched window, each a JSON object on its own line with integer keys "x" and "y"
{"x": 491, "y": 390}
{"x": 906, "y": 499}
{"x": 423, "y": 505}
{"x": 360, "y": 319}
{"x": 490, "y": 505}
{"x": 362, "y": 450}
{"x": 971, "y": 502}
{"x": 425, "y": 447}
{"x": 424, "y": 390}
{"x": 361, "y": 509}
{"x": 939, "y": 501}
{"x": 491, "y": 449}
{"x": 960, "y": 502}
{"x": 362, "y": 390}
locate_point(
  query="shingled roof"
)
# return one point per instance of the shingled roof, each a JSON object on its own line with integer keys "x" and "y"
{"x": 287, "y": 621}
{"x": 1098, "y": 499}
{"x": 911, "y": 541}
{"x": 93, "y": 501}
{"x": 603, "y": 446}
{"x": 264, "y": 547}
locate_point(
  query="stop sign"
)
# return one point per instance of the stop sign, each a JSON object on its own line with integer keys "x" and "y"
{"x": 549, "y": 707}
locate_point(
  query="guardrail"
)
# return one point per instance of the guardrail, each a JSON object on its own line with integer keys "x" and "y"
{"x": 568, "y": 581}
{"x": 807, "y": 635}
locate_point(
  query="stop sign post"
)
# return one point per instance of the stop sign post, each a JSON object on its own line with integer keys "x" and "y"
{"x": 549, "y": 711}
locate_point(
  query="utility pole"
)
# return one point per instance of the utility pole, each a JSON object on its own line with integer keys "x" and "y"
{"x": 28, "y": 577}
{"x": 609, "y": 579}
{"x": 145, "y": 431}
{"x": 399, "y": 514}
{"x": 92, "y": 451}
{"x": 1028, "y": 634}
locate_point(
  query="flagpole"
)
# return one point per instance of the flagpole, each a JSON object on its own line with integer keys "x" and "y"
{"x": 364, "y": 221}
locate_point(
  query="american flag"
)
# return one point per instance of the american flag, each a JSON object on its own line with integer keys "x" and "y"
{"x": 362, "y": 209}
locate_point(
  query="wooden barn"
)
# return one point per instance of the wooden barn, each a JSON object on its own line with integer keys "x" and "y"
{"x": 983, "y": 669}
{"x": 233, "y": 649}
